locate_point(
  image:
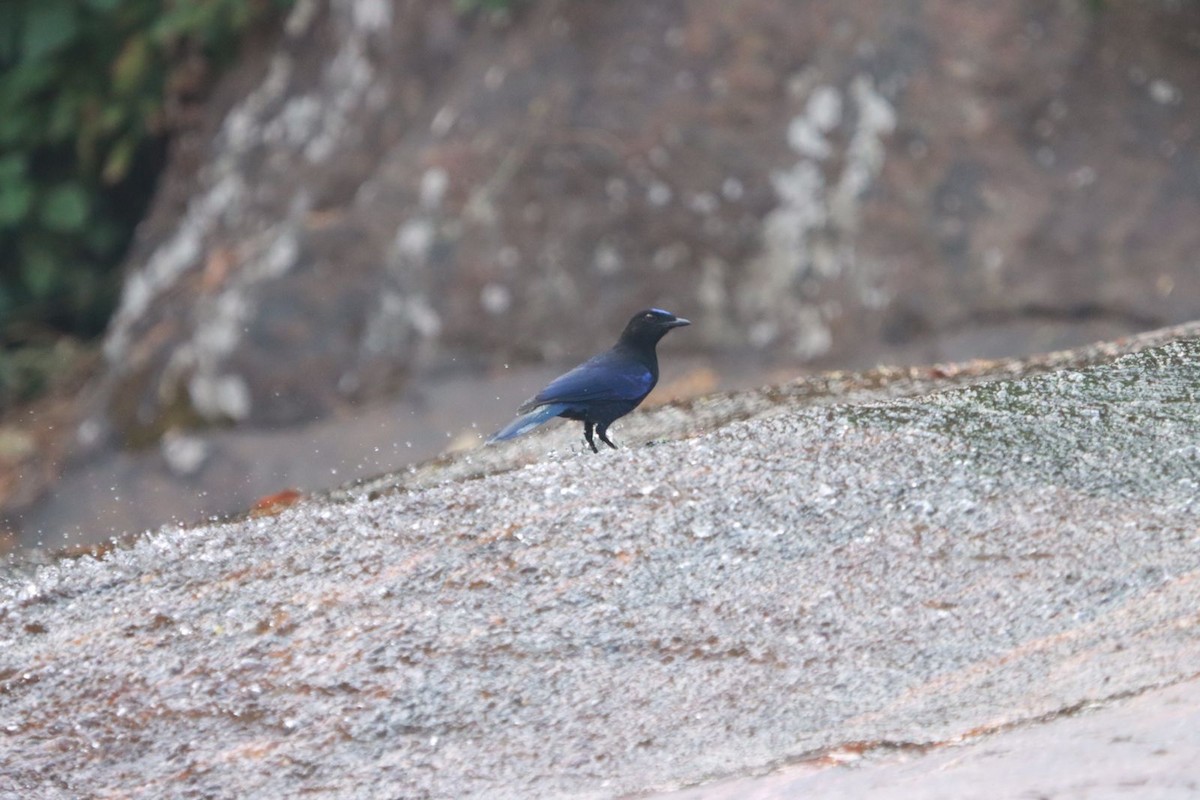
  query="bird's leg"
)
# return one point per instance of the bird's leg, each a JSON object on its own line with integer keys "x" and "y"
{"x": 603, "y": 431}
{"x": 587, "y": 434}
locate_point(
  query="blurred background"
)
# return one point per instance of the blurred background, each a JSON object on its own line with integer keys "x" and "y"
{"x": 255, "y": 245}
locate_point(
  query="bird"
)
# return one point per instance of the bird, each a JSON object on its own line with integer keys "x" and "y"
{"x": 604, "y": 388}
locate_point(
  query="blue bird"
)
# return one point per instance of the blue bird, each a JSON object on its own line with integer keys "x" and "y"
{"x": 604, "y": 388}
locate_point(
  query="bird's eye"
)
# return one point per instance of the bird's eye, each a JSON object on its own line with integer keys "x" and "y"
{"x": 649, "y": 316}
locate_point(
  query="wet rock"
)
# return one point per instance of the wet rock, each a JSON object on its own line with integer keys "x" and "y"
{"x": 393, "y": 186}
{"x": 791, "y": 585}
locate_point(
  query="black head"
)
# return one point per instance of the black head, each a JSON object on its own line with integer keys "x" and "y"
{"x": 648, "y": 326}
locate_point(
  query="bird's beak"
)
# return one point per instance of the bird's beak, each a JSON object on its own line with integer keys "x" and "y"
{"x": 678, "y": 322}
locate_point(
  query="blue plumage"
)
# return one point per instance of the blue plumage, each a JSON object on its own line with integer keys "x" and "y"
{"x": 602, "y": 377}
{"x": 603, "y": 388}
{"x": 527, "y": 422}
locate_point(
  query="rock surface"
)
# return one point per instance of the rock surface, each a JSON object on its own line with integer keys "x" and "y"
{"x": 1141, "y": 748}
{"x": 394, "y": 185}
{"x": 801, "y": 583}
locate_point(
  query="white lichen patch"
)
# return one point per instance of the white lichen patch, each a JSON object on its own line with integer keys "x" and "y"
{"x": 607, "y": 260}
{"x": 309, "y": 128}
{"x": 495, "y": 298}
{"x": 219, "y": 324}
{"x": 168, "y": 263}
{"x": 434, "y": 183}
{"x": 403, "y": 314}
{"x": 295, "y": 125}
{"x": 183, "y": 453}
{"x": 1164, "y": 92}
{"x": 301, "y": 18}
{"x": 413, "y": 239}
{"x": 385, "y": 331}
{"x": 371, "y": 16}
{"x": 809, "y": 238}
{"x": 806, "y": 132}
{"x": 220, "y": 396}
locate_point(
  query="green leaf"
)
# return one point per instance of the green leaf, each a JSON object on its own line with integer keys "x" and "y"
{"x": 49, "y": 24}
{"x": 65, "y": 208}
{"x": 103, "y": 238}
{"x": 120, "y": 158}
{"x": 14, "y": 129}
{"x": 83, "y": 87}
{"x": 130, "y": 69}
{"x": 16, "y": 197}
{"x": 10, "y": 29}
{"x": 23, "y": 81}
{"x": 64, "y": 117}
{"x": 13, "y": 167}
{"x": 182, "y": 19}
{"x": 39, "y": 270}
{"x": 112, "y": 118}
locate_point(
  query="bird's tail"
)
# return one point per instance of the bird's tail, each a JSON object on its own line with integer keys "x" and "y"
{"x": 527, "y": 422}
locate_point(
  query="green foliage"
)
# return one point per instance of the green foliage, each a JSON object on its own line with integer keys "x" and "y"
{"x": 86, "y": 92}
{"x": 466, "y": 6}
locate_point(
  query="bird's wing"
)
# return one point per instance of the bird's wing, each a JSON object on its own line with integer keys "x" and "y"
{"x": 606, "y": 377}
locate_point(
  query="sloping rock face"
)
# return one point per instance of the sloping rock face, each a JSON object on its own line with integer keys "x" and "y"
{"x": 395, "y": 187}
{"x": 781, "y": 587}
